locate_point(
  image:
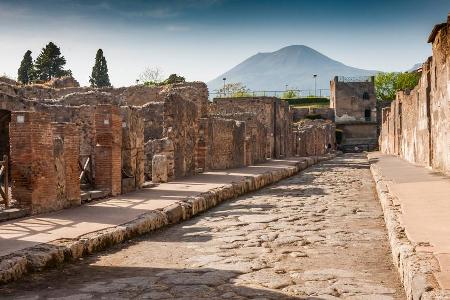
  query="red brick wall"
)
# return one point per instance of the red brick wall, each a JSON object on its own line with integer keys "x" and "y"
{"x": 108, "y": 153}
{"x": 32, "y": 162}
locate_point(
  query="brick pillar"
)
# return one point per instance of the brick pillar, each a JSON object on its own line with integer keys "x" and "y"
{"x": 67, "y": 153}
{"x": 108, "y": 149}
{"x": 32, "y": 162}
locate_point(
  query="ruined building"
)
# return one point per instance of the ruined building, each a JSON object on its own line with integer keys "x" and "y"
{"x": 416, "y": 125}
{"x": 67, "y": 144}
{"x": 354, "y": 102}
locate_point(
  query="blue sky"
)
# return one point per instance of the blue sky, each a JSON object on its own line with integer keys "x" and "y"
{"x": 201, "y": 39}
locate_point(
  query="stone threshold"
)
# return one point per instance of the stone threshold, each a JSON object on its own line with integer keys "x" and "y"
{"x": 416, "y": 268}
{"x": 46, "y": 255}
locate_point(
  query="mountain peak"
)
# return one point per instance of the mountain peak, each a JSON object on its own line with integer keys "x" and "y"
{"x": 291, "y": 65}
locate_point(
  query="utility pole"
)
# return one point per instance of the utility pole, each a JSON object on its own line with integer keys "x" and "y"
{"x": 224, "y": 80}
{"x": 315, "y": 85}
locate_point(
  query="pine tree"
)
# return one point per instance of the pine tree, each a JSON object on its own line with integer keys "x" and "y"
{"x": 99, "y": 76}
{"x": 50, "y": 63}
{"x": 25, "y": 72}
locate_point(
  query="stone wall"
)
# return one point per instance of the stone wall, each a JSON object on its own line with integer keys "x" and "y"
{"x": 272, "y": 113}
{"x": 255, "y": 136}
{"x": 133, "y": 157}
{"x": 225, "y": 143}
{"x": 301, "y": 113}
{"x": 314, "y": 137}
{"x": 416, "y": 125}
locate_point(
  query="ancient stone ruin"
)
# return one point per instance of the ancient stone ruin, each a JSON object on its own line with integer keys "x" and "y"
{"x": 67, "y": 144}
{"x": 354, "y": 101}
{"x": 416, "y": 125}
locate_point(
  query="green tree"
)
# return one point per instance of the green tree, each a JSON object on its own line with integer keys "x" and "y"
{"x": 99, "y": 76}
{"x": 388, "y": 84}
{"x": 50, "y": 63}
{"x": 26, "y": 69}
{"x": 290, "y": 94}
{"x": 174, "y": 78}
{"x": 234, "y": 89}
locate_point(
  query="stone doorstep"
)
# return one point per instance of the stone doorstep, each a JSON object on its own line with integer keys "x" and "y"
{"x": 88, "y": 196}
{"x": 418, "y": 269}
{"x": 14, "y": 266}
{"x": 12, "y": 213}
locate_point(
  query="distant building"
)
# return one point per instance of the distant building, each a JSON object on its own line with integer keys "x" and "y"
{"x": 354, "y": 102}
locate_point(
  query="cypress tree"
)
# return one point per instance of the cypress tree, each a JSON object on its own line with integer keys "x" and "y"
{"x": 25, "y": 72}
{"x": 50, "y": 63}
{"x": 99, "y": 76}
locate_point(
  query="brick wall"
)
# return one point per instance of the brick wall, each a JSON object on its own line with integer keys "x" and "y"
{"x": 32, "y": 162}
{"x": 108, "y": 155}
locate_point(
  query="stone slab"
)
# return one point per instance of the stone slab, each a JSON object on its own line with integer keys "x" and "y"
{"x": 45, "y": 240}
{"x": 420, "y": 204}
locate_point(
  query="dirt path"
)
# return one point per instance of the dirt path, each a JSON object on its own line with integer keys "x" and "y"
{"x": 317, "y": 235}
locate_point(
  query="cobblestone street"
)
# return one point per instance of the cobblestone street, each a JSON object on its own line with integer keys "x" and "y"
{"x": 317, "y": 235}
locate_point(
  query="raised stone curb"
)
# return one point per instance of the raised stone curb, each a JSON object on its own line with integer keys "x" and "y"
{"x": 15, "y": 265}
{"x": 415, "y": 268}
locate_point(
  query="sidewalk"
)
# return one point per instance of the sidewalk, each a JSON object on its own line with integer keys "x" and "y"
{"x": 43, "y": 240}
{"x": 421, "y": 200}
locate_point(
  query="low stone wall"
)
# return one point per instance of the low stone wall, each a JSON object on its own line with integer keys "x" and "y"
{"x": 37, "y": 258}
{"x": 415, "y": 268}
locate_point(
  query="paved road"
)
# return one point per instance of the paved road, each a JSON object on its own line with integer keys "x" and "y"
{"x": 317, "y": 235}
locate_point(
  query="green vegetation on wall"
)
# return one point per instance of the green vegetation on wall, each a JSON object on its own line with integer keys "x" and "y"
{"x": 388, "y": 84}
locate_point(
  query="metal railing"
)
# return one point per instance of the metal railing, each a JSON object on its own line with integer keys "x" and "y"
{"x": 322, "y": 93}
{"x": 355, "y": 79}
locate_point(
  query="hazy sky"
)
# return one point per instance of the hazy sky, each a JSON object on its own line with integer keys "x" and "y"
{"x": 201, "y": 39}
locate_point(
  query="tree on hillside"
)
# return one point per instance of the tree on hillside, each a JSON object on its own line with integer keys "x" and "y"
{"x": 99, "y": 77}
{"x": 50, "y": 63}
{"x": 151, "y": 76}
{"x": 234, "y": 89}
{"x": 388, "y": 84}
{"x": 26, "y": 69}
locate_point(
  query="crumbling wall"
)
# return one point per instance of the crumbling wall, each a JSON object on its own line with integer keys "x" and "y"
{"x": 181, "y": 127}
{"x": 133, "y": 158}
{"x": 225, "y": 143}
{"x": 44, "y": 162}
{"x": 416, "y": 126}
{"x": 314, "y": 137}
{"x": 255, "y": 136}
{"x": 272, "y": 113}
{"x": 66, "y": 151}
